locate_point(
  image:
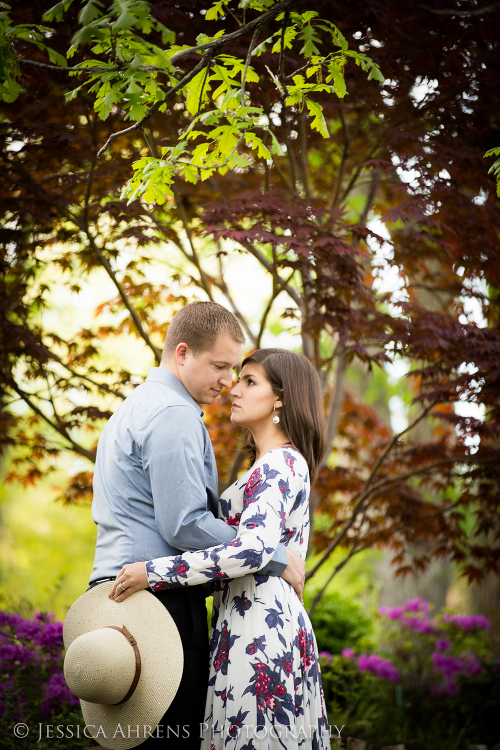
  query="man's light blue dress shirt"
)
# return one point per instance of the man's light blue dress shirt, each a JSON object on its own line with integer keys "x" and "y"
{"x": 155, "y": 481}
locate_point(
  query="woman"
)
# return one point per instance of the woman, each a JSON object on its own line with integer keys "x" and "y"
{"x": 265, "y": 685}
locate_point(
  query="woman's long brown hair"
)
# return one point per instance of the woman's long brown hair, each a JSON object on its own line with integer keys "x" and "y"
{"x": 296, "y": 383}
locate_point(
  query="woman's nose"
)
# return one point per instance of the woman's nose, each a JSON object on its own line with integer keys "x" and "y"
{"x": 234, "y": 390}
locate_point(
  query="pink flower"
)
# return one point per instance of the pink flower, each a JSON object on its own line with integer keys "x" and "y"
{"x": 379, "y": 667}
{"x": 468, "y": 622}
{"x": 347, "y": 653}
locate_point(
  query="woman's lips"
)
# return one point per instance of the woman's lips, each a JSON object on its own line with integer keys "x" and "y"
{"x": 235, "y": 406}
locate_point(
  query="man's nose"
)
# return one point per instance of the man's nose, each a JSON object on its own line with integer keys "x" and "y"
{"x": 226, "y": 379}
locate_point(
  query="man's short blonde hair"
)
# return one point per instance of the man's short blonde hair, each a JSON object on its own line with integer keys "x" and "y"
{"x": 198, "y": 325}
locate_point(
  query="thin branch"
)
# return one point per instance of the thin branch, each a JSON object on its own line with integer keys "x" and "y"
{"x": 83, "y": 226}
{"x": 282, "y": 175}
{"x": 213, "y": 49}
{"x": 155, "y": 107}
{"x": 240, "y": 23}
{"x": 269, "y": 267}
{"x": 464, "y": 13}
{"x": 247, "y": 63}
{"x": 221, "y": 284}
{"x": 355, "y": 551}
{"x": 100, "y": 386}
{"x": 385, "y": 484}
{"x": 121, "y": 291}
{"x": 346, "y": 152}
{"x": 396, "y": 439}
{"x": 303, "y": 163}
{"x": 203, "y": 88}
{"x": 58, "y": 428}
{"x": 336, "y": 401}
{"x": 282, "y": 53}
{"x": 194, "y": 255}
{"x": 277, "y": 289}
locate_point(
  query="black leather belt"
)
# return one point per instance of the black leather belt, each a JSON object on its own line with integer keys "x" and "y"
{"x": 100, "y": 580}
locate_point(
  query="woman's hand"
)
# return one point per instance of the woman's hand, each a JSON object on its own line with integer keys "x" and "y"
{"x": 130, "y": 579}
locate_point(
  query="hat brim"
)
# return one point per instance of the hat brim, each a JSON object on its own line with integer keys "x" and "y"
{"x": 162, "y": 661}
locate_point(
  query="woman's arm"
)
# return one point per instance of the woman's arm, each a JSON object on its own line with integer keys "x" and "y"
{"x": 266, "y": 498}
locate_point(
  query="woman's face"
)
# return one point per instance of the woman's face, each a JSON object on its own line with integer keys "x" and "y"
{"x": 253, "y": 398}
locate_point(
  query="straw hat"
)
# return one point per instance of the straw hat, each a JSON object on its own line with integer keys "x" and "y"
{"x": 102, "y": 664}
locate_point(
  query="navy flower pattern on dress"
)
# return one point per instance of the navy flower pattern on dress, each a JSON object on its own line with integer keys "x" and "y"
{"x": 264, "y": 668}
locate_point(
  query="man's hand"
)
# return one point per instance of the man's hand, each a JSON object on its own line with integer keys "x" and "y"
{"x": 130, "y": 579}
{"x": 295, "y": 572}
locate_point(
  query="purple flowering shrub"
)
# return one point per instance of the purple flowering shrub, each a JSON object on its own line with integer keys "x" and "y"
{"x": 32, "y": 685}
{"x": 434, "y": 680}
{"x": 437, "y": 653}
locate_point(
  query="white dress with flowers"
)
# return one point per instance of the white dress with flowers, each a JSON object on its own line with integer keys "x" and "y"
{"x": 264, "y": 690}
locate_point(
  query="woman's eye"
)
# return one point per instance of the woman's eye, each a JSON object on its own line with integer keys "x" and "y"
{"x": 250, "y": 382}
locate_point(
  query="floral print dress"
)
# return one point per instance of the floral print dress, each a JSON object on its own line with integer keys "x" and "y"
{"x": 264, "y": 690}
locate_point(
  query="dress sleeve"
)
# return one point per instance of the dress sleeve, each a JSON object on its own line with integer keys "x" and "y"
{"x": 265, "y": 499}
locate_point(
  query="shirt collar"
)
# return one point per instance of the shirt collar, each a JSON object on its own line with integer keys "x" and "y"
{"x": 165, "y": 377}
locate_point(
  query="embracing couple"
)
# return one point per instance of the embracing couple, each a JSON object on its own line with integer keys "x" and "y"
{"x": 161, "y": 526}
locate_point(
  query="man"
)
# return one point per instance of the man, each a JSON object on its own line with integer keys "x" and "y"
{"x": 156, "y": 490}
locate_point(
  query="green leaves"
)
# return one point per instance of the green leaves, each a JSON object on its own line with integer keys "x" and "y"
{"x": 197, "y": 92}
{"x": 319, "y": 122}
{"x": 125, "y": 71}
{"x": 495, "y": 167}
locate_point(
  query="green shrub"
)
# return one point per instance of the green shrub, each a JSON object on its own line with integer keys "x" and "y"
{"x": 338, "y": 623}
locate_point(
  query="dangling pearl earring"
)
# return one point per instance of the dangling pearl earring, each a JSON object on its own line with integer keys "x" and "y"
{"x": 276, "y": 419}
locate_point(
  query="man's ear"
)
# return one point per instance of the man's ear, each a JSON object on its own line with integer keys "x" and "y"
{"x": 181, "y": 351}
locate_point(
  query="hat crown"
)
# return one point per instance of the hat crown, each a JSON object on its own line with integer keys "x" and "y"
{"x": 100, "y": 666}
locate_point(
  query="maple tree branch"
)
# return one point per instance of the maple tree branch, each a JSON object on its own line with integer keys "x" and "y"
{"x": 384, "y": 484}
{"x": 395, "y": 439}
{"x": 282, "y": 175}
{"x": 304, "y": 167}
{"x": 240, "y": 23}
{"x": 221, "y": 284}
{"x": 308, "y": 344}
{"x": 282, "y": 53}
{"x": 99, "y": 386}
{"x": 370, "y": 197}
{"x": 205, "y": 60}
{"x": 26, "y": 397}
{"x": 213, "y": 49}
{"x": 346, "y": 152}
{"x": 84, "y": 228}
{"x": 463, "y": 13}
{"x": 121, "y": 291}
{"x": 336, "y": 402}
{"x": 383, "y": 536}
{"x": 194, "y": 255}
{"x": 247, "y": 63}
{"x": 269, "y": 267}
{"x": 277, "y": 289}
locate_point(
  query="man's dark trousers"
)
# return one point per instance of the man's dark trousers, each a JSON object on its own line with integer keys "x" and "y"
{"x": 181, "y": 726}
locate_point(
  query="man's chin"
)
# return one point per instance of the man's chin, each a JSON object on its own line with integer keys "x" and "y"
{"x": 207, "y": 398}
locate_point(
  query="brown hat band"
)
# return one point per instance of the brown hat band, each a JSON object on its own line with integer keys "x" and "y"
{"x": 130, "y": 638}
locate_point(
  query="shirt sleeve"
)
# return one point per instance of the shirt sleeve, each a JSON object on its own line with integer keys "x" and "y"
{"x": 173, "y": 460}
{"x": 262, "y": 520}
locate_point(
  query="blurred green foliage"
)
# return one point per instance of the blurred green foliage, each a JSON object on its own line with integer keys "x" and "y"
{"x": 339, "y": 622}
{"x": 46, "y": 550}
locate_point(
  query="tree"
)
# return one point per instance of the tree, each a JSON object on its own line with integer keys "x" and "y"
{"x": 408, "y": 153}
